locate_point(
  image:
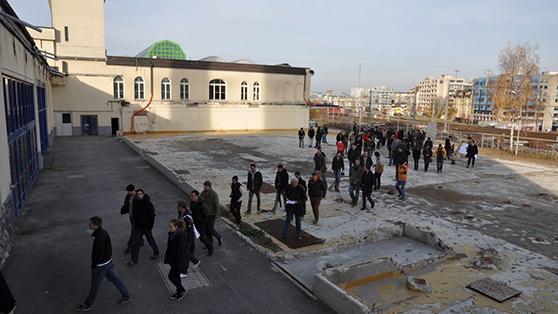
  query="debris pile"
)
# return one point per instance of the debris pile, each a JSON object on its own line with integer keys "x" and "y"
{"x": 418, "y": 284}
{"x": 488, "y": 259}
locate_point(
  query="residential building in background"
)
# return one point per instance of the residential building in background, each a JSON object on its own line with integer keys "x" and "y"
{"x": 547, "y": 100}
{"x": 161, "y": 90}
{"x": 379, "y": 98}
{"x": 457, "y": 91}
{"x": 482, "y": 99}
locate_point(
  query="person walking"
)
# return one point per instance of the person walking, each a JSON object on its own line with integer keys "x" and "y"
{"x": 281, "y": 183}
{"x": 403, "y": 170}
{"x": 378, "y": 170}
{"x": 301, "y": 135}
{"x": 427, "y": 155}
{"x": 176, "y": 256}
{"x": 440, "y": 156}
{"x": 416, "y": 154}
{"x": 128, "y": 208}
{"x": 367, "y": 185}
{"x": 447, "y": 146}
{"x": 102, "y": 266}
{"x": 319, "y": 135}
{"x": 302, "y": 183}
{"x": 236, "y": 199}
{"x": 354, "y": 182}
{"x": 472, "y": 152}
{"x": 192, "y": 234}
{"x": 144, "y": 219}
{"x": 254, "y": 186}
{"x": 316, "y": 192}
{"x": 311, "y": 133}
{"x": 296, "y": 196}
{"x": 340, "y": 147}
{"x": 338, "y": 166}
{"x": 320, "y": 164}
{"x": 352, "y": 156}
{"x": 201, "y": 220}
{"x": 366, "y": 160}
{"x": 7, "y": 300}
{"x": 211, "y": 199}
{"x": 324, "y": 137}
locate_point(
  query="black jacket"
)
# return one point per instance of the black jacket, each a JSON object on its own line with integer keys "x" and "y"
{"x": 255, "y": 181}
{"x": 337, "y": 164}
{"x": 236, "y": 194}
{"x": 199, "y": 213}
{"x": 177, "y": 250}
{"x": 311, "y": 133}
{"x": 144, "y": 212}
{"x": 125, "y": 209}
{"x": 416, "y": 153}
{"x": 302, "y": 183}
{"x": 472, "y": 150}
{"x": 353, "y": 154}
{"x": 102, "y": 248}
{"x": 366, "y": 162}
{"x": 301, "y": 133}
{"x": 281, "y": 180}
{"x": 297, "y": 194}
{"x": 320, "y": 162}
{"x": 7, "y": 301}
{"x": 427, "y": 153}
{"x": 316, "y": 188}
{"x": 367, "y": 182}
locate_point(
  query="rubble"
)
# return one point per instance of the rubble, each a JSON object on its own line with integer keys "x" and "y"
{"x": 418, "y": 284}
{"x": 488, "y": 259}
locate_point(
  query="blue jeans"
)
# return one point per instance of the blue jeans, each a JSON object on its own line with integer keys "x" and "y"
{"x": 97, "y": 276}
{"x": 352, "y": 189}
{"x": 324, "y": 138}
{"x": 290, "y": 215}
{"x": 400, "y": 186}
{"x": 337, "y": 176}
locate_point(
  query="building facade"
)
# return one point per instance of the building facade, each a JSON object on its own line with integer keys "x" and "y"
{"x": 159, "y": 90}
{"x": 456, "y": 91}
{"x": 547, "y": 99}
{"x": 26, "y": 120}
{"x": 378, "y": 98}
{"x": 482, "y": 99}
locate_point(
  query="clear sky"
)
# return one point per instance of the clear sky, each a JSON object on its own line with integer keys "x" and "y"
{"x": 398, "y": 42}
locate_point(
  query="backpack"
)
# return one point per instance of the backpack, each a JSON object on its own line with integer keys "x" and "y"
{"x": 379, "y": 167}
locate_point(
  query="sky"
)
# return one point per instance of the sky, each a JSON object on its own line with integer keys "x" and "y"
{"x": 396, "y": 42}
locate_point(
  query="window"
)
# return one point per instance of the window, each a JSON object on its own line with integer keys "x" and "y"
{"x": 66, "y": 118}
{"x": 66, "y": 33}
{"x": 165, "y": 89}
{"x": 244, "y": 91}
{"x": 118, "y": 88}
{"x": 256, "y": 95}
{"x": 217, "y": 90}
{"x": 139, "y": 87}
{"x": 184, "y": 89}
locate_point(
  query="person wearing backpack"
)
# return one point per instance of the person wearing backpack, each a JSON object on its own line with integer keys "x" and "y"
{"x": 427, "y": 155}
{"x": 440, "y": 156}
{"x": 378, "y": 170}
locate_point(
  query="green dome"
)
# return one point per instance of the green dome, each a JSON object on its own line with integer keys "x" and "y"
{"x": 164, "y": 49}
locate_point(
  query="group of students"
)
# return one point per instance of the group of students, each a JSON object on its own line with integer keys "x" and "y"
{"x": 195, "y": 220}
{"x": 320, "y": 133}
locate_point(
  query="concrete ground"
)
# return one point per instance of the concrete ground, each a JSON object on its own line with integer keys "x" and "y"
{"x": 502, "y": 204}
{"x": 48, "y": 271}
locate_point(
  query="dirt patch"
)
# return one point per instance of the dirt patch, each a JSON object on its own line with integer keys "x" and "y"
{"x": 258, "y": 236}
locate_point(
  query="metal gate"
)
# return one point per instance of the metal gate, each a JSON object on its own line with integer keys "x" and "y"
{"x": 20, "y": 123}
{"x": 43, "y": 127}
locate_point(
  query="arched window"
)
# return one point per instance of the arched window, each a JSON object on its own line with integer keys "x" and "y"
{"x": 217, "y": 90}
{"x": 256, "y": 95}
{"x": 184, "y": 89}
{"x": 165, "y": 89}
{"x": 118, "y": 87}
{"x": 244, "y": 91}
{"x": 139, "y": 87}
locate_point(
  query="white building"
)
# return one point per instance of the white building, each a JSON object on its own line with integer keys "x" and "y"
{"x": 379, "y": 98}
{"x": 160, "y": 90}
{"x": 457, "y": 91}
{"x": 548, "y": 99}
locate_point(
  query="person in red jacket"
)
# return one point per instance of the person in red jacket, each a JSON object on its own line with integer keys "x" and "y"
{"x": 340, "y": 147}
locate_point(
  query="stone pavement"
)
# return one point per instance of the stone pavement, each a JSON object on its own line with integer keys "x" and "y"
{"x": 48, "y": 271}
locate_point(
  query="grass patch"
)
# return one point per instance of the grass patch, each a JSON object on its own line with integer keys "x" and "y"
{"x": 258, "y": 236}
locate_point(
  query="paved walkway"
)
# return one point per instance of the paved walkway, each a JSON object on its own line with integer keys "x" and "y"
{"x": 85, "y": 176}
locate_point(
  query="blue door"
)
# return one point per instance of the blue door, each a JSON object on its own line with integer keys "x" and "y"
{"x": 89, "y": 125}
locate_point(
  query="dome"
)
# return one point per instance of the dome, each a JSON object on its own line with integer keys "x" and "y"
{"x": 164, "y": 49}
{"x": 213, "y": 59}
{"x": 244, "y": 61}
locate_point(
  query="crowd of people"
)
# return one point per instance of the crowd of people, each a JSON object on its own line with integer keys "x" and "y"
{"x": 196, "y": 218}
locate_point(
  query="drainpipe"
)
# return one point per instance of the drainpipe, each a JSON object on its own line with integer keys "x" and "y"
{"x": 132, "y": 128}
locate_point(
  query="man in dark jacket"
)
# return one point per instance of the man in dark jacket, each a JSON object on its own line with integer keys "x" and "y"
{"x": 367, "y": 185}
{"x": 281, "y": 183}
{"x": 128, "y": 208}
{"x": 427, "y": 155}
{"x": 316, "y": 191}
{"x": 211, "y": 199}
{"x": 311, "y": 133}
{"x": 254, "y": 185}
{"x": 472, "y": 152}
{"x": 354, "y": 182}
{"x": 191, "y": 233}
{"x": 416, "y": 154}
{"x": 338, "y": 166}
{"x": 144, "y": 217}
{"x": 236, "y": 199}
{"x": 352, "y": 155}
{"x": 102, "y": 266}
{"x": 296, "y": 196}
{"x": 301, "y": 134}
{"x": 319, "y": 134}
{"x": 199, "y": 213}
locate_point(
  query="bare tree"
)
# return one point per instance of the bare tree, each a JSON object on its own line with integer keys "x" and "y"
{"x": 511, "y": 90}
{"x": 437, "y": 108}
